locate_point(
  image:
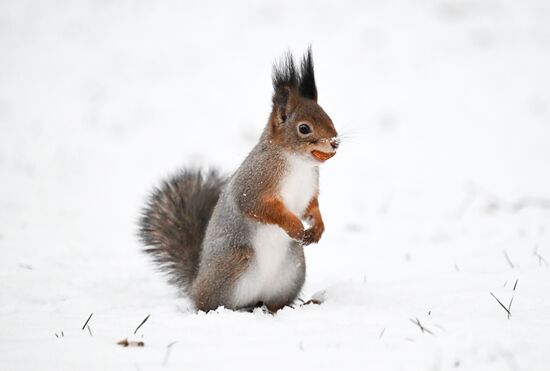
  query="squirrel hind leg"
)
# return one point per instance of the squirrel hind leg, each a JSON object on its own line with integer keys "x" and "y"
{"x": 214, "y": 284}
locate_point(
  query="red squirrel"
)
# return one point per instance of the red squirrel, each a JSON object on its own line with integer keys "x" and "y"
{"x": 238, "y": 242}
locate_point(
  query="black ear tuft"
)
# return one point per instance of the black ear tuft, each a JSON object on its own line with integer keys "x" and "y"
{"x": 284, "y": 73}
{"x": 307, "y": 86}
{"x": 285, "y": 85}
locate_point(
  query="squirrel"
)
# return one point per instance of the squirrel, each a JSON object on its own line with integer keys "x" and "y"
{"x": 237, "y": 242}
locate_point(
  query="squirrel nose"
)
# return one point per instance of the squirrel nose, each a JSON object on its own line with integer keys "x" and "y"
{"x": 335, "y": 142}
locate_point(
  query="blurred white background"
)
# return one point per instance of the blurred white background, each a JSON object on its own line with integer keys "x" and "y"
{"x": 444, "y": 107}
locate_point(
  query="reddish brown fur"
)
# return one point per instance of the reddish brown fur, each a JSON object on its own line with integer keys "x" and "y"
{"x": 271, "y": 210}
{"x": 314, "y": 233}
{"x": 283, "y": 130}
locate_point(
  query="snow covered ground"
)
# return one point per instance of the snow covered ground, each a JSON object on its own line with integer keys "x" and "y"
{"x": 438, "y": 197}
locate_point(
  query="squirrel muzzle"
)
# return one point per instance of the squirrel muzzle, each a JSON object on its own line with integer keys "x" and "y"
{"x": 331, "y": 145}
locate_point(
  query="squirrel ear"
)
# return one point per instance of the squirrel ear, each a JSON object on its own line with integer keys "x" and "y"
{"x": 308, "y": 89}
{"x": 285, "y": 86}
{"x": 284, "y": 102}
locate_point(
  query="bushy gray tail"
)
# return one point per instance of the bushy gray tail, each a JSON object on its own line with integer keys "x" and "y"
{"x": 174, "y": 221}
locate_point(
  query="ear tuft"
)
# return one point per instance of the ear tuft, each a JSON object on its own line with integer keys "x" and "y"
{"x": 285, "y": 86}
{"x": 307, "y": 86}
{"x": 289, "y": 84}
{"x": 284, "y": 73}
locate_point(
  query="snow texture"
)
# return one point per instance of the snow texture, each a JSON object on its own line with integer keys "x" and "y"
{"x": 439, "y": 194}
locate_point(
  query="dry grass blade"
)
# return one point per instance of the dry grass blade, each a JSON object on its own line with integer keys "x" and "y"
{"x": 510, "y": 307}
{"x": 515, "y": 285}
{"x": 89, "y": 330}
{"x": 416, "y": 321}
{"x": 141, "y": 324}
{"x": 509, "y": 260}
{"x": 167, "y": 354}
{"x": 88, "y": 320}
{"x": 540, "y": 257}
{"x": 502, "y": 305}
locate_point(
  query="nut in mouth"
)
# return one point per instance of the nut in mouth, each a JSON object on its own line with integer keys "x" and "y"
{"x": 322, "y": 156}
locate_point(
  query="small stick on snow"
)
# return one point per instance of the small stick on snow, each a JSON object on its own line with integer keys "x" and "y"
{"x": 167, "y": 354}
{"x": 510, "y": 307}
{"x": 89, "y": 330}
{"x": 141, "y": 324}
{"x": 515, "y": 284}
{"x": 422, "y": 328}
{"x": 541, "y": 258}
{"x": 88, "y": 320}
{"x": 502, "y": 305}
{"x": 125, "y": 343}
{"x": 509, "y": 260}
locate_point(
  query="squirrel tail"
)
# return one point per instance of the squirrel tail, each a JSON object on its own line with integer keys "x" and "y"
{"x": 174, "y": 221}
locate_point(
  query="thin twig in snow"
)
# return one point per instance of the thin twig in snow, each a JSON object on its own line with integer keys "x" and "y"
{"x": 541, "y": 258}
{"x": 515, "y": 284}
{"x": 422, "y": 328}
{"x": 167, "y": 354}
{"x": 89, "y": 330}
{"x": 502, "y": 305}
{"x": 509, "y": 260}
{"x": 141, "y": 324}
{"x": 88, "y": 320}
{"x": 510, "y": 307}
{"x": 125, "y": 343}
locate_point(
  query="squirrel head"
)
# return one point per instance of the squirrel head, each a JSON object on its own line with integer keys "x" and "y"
{"x": 297, "y": 123}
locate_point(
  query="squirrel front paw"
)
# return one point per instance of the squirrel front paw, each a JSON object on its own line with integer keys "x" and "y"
{"x": 313, "y": 234}
{"x": 296, "y": 231}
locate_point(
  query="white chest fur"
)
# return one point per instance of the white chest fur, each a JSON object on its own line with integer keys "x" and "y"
{"x": 299, "y": 185}
{"x": 273, "y": 269}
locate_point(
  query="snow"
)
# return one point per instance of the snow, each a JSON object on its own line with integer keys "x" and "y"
{"x": 444, "y": 112}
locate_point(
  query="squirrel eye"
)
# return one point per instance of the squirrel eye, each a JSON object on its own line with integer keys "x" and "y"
{"x": 304, "y": 129}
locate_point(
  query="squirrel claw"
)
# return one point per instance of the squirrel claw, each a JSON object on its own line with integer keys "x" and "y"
{"x": 312, "y": 235}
